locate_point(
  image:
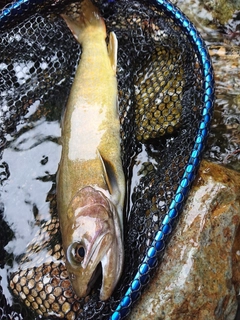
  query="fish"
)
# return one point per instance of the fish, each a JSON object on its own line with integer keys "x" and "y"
{"x": 90, "y": 179}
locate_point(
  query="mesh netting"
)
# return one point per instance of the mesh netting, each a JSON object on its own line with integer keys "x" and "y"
{"x": 162, "y": 96}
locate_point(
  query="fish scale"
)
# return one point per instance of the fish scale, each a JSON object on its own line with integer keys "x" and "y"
{"x": 139, "y": 28}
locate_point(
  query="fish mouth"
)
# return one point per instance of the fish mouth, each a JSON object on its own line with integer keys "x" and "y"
{"x": 91, "y": 268}
{"x": 97, "y": 275}
{"x": 95, "y": 280}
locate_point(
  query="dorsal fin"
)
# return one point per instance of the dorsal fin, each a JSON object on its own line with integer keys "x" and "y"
{"x": 112, "y": 50}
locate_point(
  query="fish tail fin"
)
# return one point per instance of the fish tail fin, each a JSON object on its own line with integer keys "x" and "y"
{"x": 88, "y": 21}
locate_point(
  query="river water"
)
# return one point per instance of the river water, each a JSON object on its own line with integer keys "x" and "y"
{"x": 223, "y": 41}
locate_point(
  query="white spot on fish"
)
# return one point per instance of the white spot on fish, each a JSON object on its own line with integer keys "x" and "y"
{"x": 88, "y": 119}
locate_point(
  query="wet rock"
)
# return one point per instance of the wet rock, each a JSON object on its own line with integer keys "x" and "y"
{"x": 199, "y": 277}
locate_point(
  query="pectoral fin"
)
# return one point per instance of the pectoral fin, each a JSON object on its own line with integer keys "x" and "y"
{"x": 112, "y": 50}
{"x": 110, "y": 177}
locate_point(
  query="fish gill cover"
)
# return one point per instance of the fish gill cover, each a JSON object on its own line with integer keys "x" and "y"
{"x": 166, "y": 96}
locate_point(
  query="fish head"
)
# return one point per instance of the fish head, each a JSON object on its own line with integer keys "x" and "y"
{"x": 93, "y": 240}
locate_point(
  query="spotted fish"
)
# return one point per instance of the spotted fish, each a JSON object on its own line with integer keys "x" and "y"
{"x": 91, "y": 184}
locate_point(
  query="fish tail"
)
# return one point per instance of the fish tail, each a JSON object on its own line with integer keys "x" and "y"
{"x": 88, "y": 22}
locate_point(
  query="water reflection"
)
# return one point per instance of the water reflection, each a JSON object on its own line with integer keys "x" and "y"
{"x": 28, "y": 169}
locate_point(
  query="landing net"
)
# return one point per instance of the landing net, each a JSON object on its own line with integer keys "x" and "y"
{"x": 166, "y": 98}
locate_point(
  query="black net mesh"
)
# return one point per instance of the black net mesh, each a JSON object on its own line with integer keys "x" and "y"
{"x": 160, "y": 99}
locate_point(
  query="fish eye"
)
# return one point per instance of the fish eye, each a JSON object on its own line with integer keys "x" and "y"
{"x": 76, "y": 253}
{"x": 79, "y": 253}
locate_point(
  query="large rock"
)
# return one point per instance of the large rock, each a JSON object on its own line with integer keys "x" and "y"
{"x": 199, "y": 277}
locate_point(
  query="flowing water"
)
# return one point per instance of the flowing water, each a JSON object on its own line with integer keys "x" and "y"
{"x": 223, "y": 43}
